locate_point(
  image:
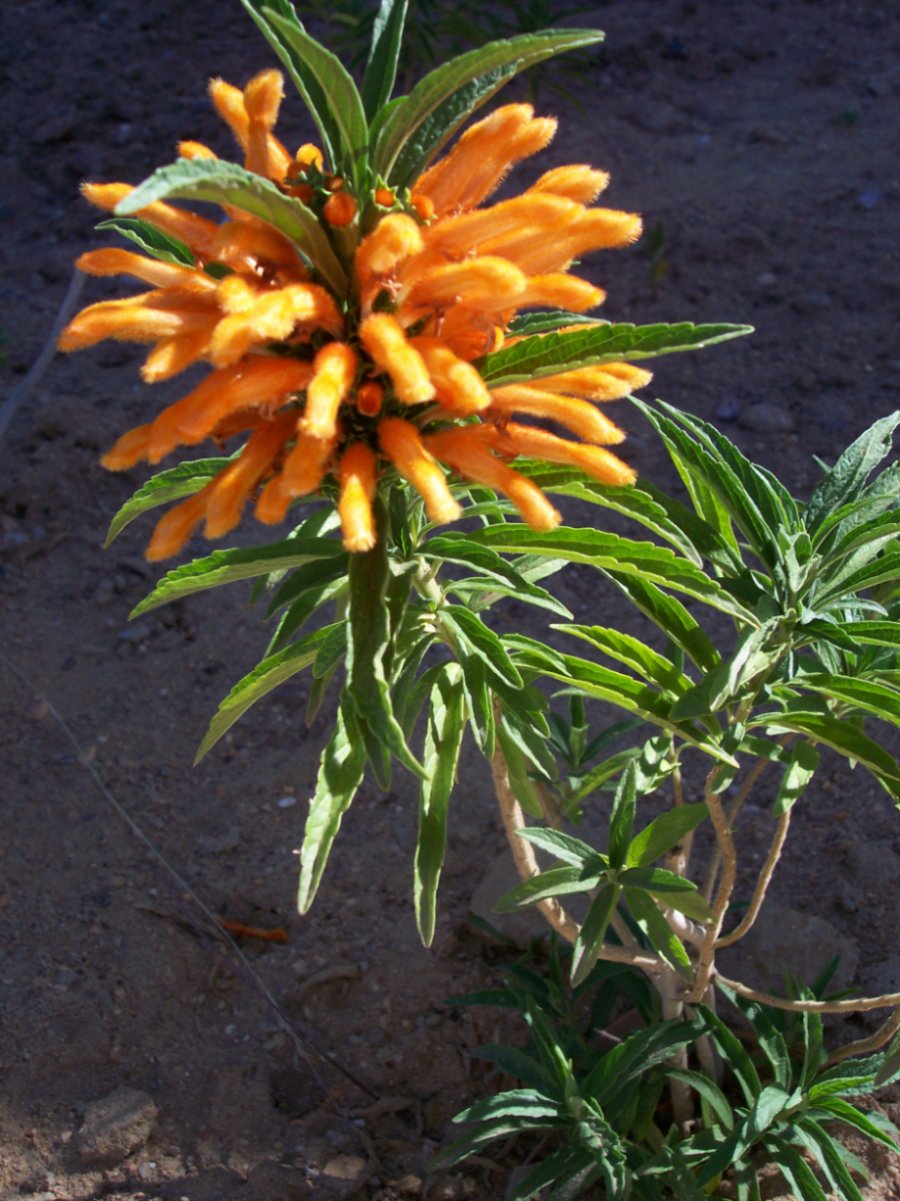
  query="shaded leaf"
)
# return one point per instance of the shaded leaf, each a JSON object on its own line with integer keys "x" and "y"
{"x": 173, "y": 484}
{"x": 151, "y": 240}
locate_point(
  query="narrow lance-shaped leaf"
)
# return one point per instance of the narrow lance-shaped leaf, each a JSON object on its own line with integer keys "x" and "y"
{"x": 799, "y": 771}
{"x": 446, "y": 722}
{"x": 161, "y": 489}
{"x": 265, "y": 677}
{"x": 340, "y": 775}
{"x": 664, "y": 833}
{"x": 240, "y": 563}
{"x": 325, "y": 82}
{"x": 552, "y": 353}
{"x": 227, "y": 183}
{"x": 589, "y": 942}
{"x": 658, "y": 932}
{"x": 369, "y": 641}
{"x": 420, "y": 124}
{"x": 151, "y": 240}
{"x": 621, "y": 819}
{"x": 847, "y": 477}
{"x": 381, "y": 66}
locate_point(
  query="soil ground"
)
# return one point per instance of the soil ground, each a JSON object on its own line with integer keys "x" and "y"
{"x": 759, "y": 137}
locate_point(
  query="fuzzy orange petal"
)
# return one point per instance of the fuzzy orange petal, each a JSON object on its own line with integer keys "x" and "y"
{"x": 401, "y": 443}
{"x": 232, "y": 487}
{"x": 334, "y": 370}
{"x": 384, "y": 339}
{"x": 538, "y": 444}
{"x": 579, "y": 416}
{"x": 357, "y": 475}
{"x": 458, "y": 385}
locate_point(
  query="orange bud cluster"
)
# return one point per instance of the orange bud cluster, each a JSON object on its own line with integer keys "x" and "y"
{"x": 347, "y": 383}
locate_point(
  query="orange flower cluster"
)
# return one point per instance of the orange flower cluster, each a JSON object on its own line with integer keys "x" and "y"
{"x": 347, "y": 385}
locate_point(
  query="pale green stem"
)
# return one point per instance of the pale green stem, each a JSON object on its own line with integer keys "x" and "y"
{"x": 734, "y": 809}
{"x": 725, "y": 844}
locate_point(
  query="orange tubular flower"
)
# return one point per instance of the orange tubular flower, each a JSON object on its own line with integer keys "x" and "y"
{"x": 339, "y": 351}
{"x": 358, "y": 477}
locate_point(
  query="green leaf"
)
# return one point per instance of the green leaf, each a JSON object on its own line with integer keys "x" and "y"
{"x": 421, "y": 124}
{"x": 767, "y": 1107}
{"x": 457, "y": 548}
{"x": 323, "y": 81}
{"x": 621, "y": 818}
{"x": 733, "y": 1053}
{"x": 843, "y": 1111}
{"x": 884, "y": 569}
{"x": 549, "y": 354}
{"x": 151, "y": 240}
{"x": 446, "y": 721}
{"x": 795, "y": 1170}
{"x": 341, "y": 770}
{"x": 545, "y": 321}
{"x": 831, "y": 1160}
{"x": 614, "y": 1072}
{"x": 368, "y": 645}
{"x": 657, "y": 931}
{"x": 670, "y": 616}
{"x": 227, "y": 183}
{"x": 519, "y": 767}
{"x": 598, "y": 775}
{"x": 612, "y": 553}
{"x": 555, "y": 882}
{"x": 799, "y": 771}
{"x": 381, "y": 66}
{"x": 642, "y": 659}
{"x": 840, "y": 735}
{"x": 664, "y": 833}
{"x": 228, "y": 566}
{"x": 518, "y": 1103}
{"x": 873, "y": 633}
{"x": 880, "y": 699}
{"x": 482, "y": 642}
{"x": 605, "y": 684}
{"x": 669, "y": 889}
{"x": 561, "y": 845}
{"x": 266, "y": 676}
{"x": 174, "y": 484}
{"x": 709, "y": 1091}
{"x": 589, "y": 942}
{"x": 479, "y": 700}
{"x": 846, "y": 478}
{"x": 767, "y": 1035}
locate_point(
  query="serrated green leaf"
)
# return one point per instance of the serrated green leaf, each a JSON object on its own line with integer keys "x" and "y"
{"x": 227, "y": 183}
{"x": 341, "y": 769}
{"x": 830, "y": 1159}
{"x": 795, "y": 1170}
{"x": 853, "y": 578}
{"x": 265, "y": 677}
{"x": 840, "y": 735}
{"x": 446, "y": 721}
{"x": 767, "y": 1035}
{"x": 550, "y": 354}
{"x": 764, "y": 1112}
{"x": 843, "y": 1111}
{"x": 642, "y": 659}
{"x": 421, "y": 123}
{"x": 479, "y": 700}
{"x": 151, "y": 240}
{"x": 368, "y": 645}
{"x": 311, "y": 576}
{"x": 633, "y": 1057}
{"x": 664, "y": 833}
{"x": 709, "y": 1091}
{"x": 846, "y": 478}
{"x": 483, "y": 643}
{"x": 174, "y": 484}
{"x": 873, "y": 633}
{"x": 546, "y": 321}
{"x": 228, "y": 566}
{"x": 457, "y": 548}
{"x": 669, "y": 889}
{"x": 605, "y": 684}
{"x": 670, "y": 616}
{"x": 610, "y": 552}
{"x": 327, "y": 84}
{"x": 518, "y": 1102}
{"x": 562, "y": 846}
{"x": 297, "y": 614}
{"x": 381, "y": 65}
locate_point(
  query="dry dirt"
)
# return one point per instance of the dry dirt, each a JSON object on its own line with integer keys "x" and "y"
{"x": 760, "y": 136}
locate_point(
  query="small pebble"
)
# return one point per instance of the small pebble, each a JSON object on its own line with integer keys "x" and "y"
{"x": 871, "y": 198}
{"x": 286, "y": 802}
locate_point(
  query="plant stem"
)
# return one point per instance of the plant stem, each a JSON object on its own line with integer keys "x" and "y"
{"x": 733, "y": 810}
{"x": 678, "y": 859}
{"x": 527, "y": 867}
{"x": 851, "y": 1005}
{"x": 863, "y": 1046}
{"x": 671, "y": 991}
{"x": 762, "y": 884}
{"x": 725, "y": 844}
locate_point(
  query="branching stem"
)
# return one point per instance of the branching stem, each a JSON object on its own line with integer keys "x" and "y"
{"x": 851, "y": 1005}
{"x": 725, "y": 844}
{"x": 864, "y": 1046}
{"x": 731, "y": 815}
{"x": 762, "y": 884}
